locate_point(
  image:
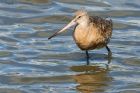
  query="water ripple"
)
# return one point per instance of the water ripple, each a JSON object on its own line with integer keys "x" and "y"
{"x": 30, "y": 63}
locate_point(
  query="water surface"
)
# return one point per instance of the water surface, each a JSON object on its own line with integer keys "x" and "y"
{"x": 29, "y": 63}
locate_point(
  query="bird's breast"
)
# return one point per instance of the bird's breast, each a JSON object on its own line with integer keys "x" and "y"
{"x": 83, "y": 38}
{"x": 88, "y": 38}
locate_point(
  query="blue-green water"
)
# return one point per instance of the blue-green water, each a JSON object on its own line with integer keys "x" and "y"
{"x": 29, "y": 63}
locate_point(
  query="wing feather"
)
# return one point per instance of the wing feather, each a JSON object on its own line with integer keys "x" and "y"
{"x": 104, "y": 26}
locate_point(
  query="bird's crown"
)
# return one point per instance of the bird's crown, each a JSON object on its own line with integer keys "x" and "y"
{"x": 81, "y": 12}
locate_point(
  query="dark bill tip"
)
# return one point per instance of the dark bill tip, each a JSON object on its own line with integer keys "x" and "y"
{"x": 52, "y": 36}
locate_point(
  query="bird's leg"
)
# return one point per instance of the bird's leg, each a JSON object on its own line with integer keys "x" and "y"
{"x": 109, "y": 54}
{"x": 87, "y": 55}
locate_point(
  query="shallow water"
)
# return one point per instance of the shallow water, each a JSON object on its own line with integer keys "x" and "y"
{"x": 29, "y": 63}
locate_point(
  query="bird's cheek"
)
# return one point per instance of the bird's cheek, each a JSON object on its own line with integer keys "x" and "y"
{"x": 77, "y": 22}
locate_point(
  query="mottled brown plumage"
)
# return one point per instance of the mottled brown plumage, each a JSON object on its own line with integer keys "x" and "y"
{"x": 91, "y": 32}
{"x": 96, "y": 35}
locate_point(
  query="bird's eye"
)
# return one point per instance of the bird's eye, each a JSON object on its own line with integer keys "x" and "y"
{"x": 79, "y": 17}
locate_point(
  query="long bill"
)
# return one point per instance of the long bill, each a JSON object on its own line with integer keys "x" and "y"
{"x": 72, "y": 23}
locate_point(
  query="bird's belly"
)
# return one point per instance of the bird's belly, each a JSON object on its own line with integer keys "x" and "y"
{"x": 84, "y": 45}
{"x": 88, "y": 39}
{"x": 89, "y": 43}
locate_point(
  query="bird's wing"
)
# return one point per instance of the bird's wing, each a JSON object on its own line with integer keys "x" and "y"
{"x": 104, "y": 26}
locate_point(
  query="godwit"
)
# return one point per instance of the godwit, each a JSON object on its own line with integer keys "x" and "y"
{"x": 91, "y": 32}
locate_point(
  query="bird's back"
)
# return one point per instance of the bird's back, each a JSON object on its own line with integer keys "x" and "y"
{"x": 104, "y": 26}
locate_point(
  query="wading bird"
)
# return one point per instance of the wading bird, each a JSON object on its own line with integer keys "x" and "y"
{"x": 91, "y": 32}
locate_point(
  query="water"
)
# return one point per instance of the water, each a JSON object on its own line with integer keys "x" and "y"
{"x": 29, "y": 63}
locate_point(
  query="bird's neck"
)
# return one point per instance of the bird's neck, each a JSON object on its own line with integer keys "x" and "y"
{"x": 85, "y": 23}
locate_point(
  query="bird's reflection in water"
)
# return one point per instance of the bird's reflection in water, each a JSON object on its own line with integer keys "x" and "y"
{"x": 91, "y": 78}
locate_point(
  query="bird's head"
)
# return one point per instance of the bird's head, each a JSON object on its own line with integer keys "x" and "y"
{"x": 81, "y": 18}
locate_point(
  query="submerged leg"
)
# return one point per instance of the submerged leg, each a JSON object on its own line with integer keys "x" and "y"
{"x": 109, "y": 54}
{"x": 87, "y": 55}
